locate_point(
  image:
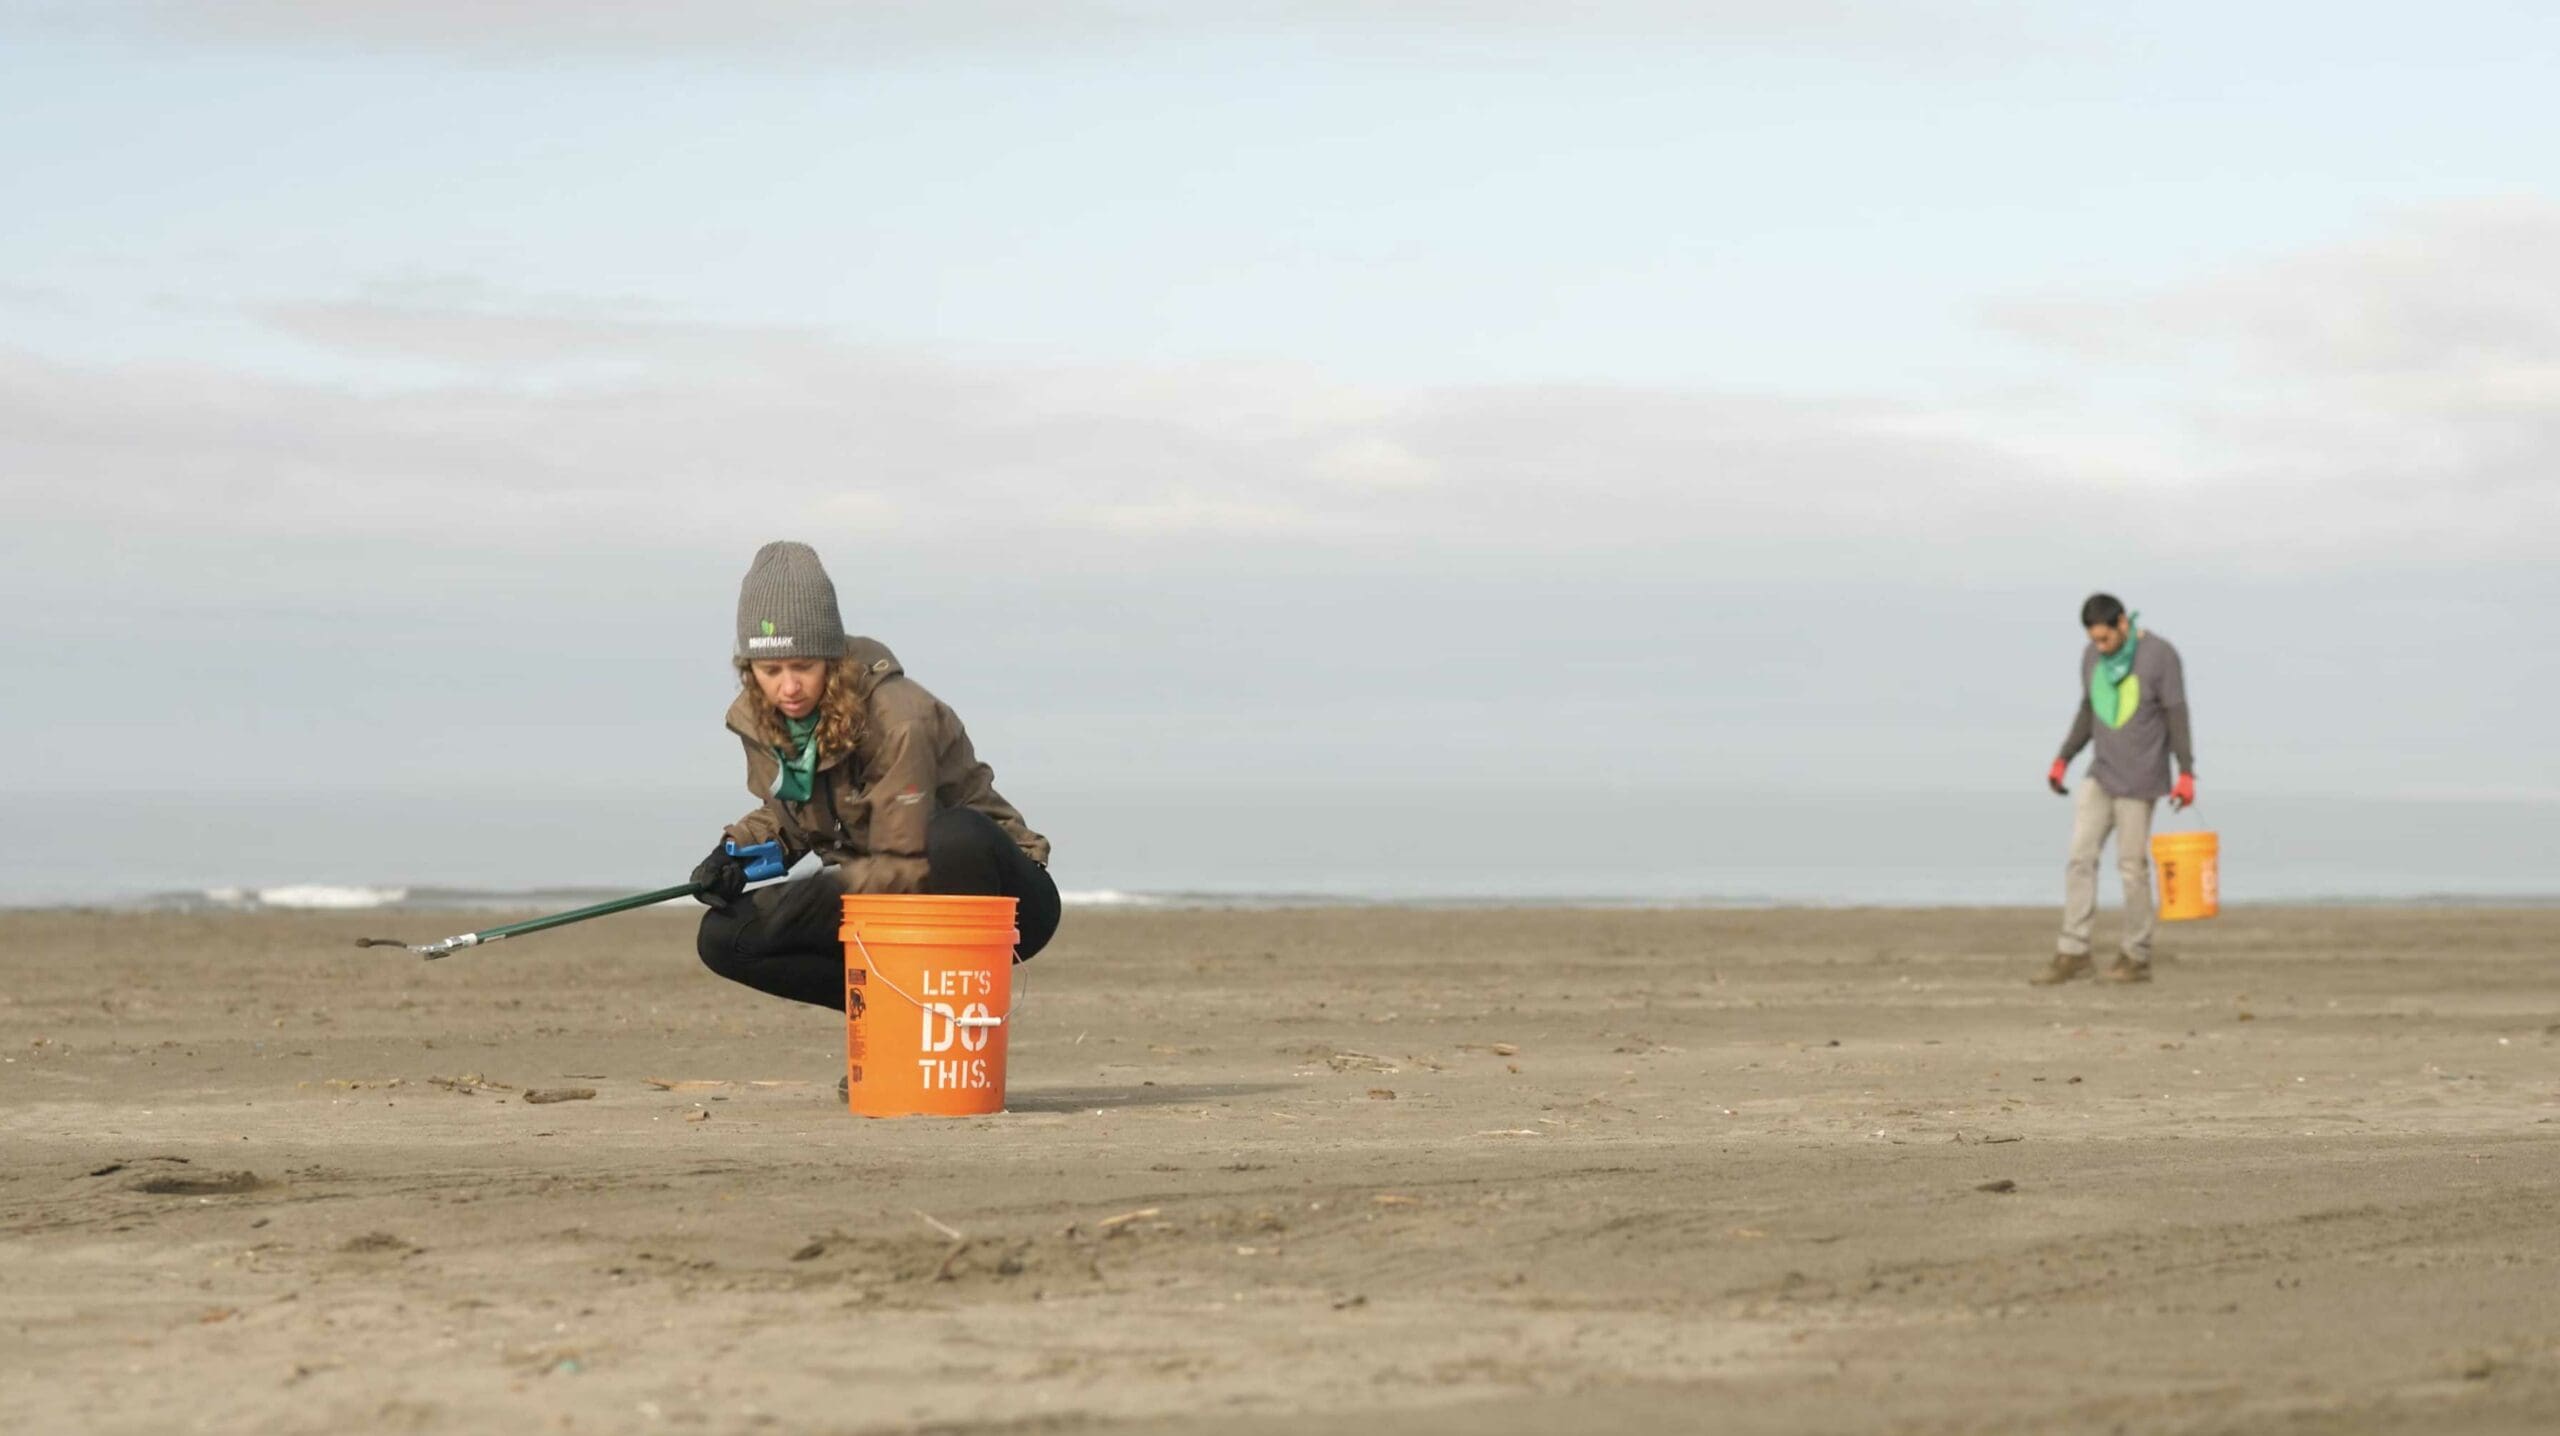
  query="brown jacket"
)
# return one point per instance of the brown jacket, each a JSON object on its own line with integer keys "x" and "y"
{"x": 868, "y": 810}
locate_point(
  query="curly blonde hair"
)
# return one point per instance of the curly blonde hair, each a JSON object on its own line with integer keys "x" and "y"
{"x": 839, "y": 709}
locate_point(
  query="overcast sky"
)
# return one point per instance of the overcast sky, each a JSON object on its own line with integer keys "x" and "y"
{"x": 1744, "y": 395}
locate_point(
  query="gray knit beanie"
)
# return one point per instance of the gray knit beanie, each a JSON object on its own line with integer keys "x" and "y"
{"x": 787, "y": 606}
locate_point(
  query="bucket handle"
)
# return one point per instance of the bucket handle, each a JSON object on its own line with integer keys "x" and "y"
{"x": 1012, "y": 995}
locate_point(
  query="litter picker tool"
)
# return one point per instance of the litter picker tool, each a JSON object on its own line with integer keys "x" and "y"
{"x": 764, "y": 860}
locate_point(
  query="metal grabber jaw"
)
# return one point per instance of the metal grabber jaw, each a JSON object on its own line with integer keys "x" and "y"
{"x": 428, "y": 950}
{"x": 433, "y": 950}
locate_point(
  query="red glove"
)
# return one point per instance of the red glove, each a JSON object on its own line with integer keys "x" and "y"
{"x": 2184, "y": 794}
{"x": 2053, "y": 778}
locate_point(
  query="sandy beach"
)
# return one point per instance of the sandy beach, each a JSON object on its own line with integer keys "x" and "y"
{"x": 1410, "y": 1170}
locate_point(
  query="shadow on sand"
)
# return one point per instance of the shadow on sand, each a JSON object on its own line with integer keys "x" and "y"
{"x": 1172, "y": 1094}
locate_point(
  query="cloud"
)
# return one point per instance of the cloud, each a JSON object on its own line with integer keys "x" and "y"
{"x": 504, "y": 516}
{"x": 885, "y": 30}
{"x": 1374, "y": 462}
{"x": 31, "y": 298}
{"x": 2459, "y": 292}
{"x": 2401, "y": 387}
{"x": 2392, "y": 398}
{"x": 532, "y": 426}
{"x": 2387, "y": 398}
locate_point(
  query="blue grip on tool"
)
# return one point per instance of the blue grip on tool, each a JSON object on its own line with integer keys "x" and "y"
{"x": 764, "y": 860}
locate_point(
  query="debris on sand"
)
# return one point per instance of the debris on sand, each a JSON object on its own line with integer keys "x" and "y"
{"x": 198, "y": 1184}
{"x": 1512, "y": 1132}
{"x": 685, "y": 1084}
{"x": 376, "y": 1244}
{"x": 1395, "y": 1199}
{"x": 1382, "y": 1094}
{"x": 1109, "y": 1225}
{"x": 1359, "y": 1062}
{"x": 698, "y": 1114}
{"x": 560, "y": 1094}
{"x": 469, "y": 1082}
{"x": 128, "y": 1163}
{"x": 2003, "y": 1186}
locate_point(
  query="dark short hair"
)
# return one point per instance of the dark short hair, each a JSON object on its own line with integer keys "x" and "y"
{"x": 2102, "y": 610}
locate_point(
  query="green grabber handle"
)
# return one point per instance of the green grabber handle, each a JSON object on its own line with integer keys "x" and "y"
{"x": 433, "y": 950}
{"x": 563, "y": 919}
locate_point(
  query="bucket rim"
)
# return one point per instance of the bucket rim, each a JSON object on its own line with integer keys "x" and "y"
{"x": 927, "y": 901}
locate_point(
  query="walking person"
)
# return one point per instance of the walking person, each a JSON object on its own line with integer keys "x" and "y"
{"x": 2133, "y": 717}
{"x": 856, "y": 762}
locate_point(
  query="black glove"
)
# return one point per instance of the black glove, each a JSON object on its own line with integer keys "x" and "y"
{"x": 719, "y": 879}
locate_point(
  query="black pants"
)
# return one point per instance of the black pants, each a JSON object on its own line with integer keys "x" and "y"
{"x": 782, "y": 939}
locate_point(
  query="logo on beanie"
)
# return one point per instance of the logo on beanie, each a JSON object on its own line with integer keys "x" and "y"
{"x": 768, "y": 628}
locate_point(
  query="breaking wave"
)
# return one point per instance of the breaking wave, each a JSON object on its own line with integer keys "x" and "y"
{"x": 1110, "y": 897}
{"x": 306, "y": 895}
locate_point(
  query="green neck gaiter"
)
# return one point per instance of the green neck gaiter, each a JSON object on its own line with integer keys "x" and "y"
{"x": 2107, "y": 696}
{"x": 799, "y": 775}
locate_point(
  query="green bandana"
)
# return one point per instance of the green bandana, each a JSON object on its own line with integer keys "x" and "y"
{"x": 2113, "y": 690}
{"x": 799, "y": 775}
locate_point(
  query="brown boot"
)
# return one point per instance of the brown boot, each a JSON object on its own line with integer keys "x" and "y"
{"x": 2125, "y": 969}
{"x": 2065, "y": 966}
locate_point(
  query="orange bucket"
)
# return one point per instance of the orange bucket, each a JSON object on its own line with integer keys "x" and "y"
{"x": 928, "y": 989}
{"x": 2190, "y": 867}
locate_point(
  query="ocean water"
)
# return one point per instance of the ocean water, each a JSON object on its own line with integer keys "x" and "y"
{"x": 1514, "y": 843}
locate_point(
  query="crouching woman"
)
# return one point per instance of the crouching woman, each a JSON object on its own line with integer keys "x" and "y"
{"x": 856, "y": 762}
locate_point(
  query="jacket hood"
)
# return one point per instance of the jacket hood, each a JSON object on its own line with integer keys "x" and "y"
{"x": 878, "y": 666}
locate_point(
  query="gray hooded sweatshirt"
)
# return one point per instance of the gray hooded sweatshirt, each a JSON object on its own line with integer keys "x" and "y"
{"x": 2132, "y": 756}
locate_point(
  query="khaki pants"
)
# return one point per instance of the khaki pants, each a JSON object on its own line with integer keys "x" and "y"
{"x": 2094, "y": 814}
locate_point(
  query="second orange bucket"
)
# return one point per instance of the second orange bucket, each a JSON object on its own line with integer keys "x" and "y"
{"x": 928, "y": 991}
{"x": 2190, "y": 867}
